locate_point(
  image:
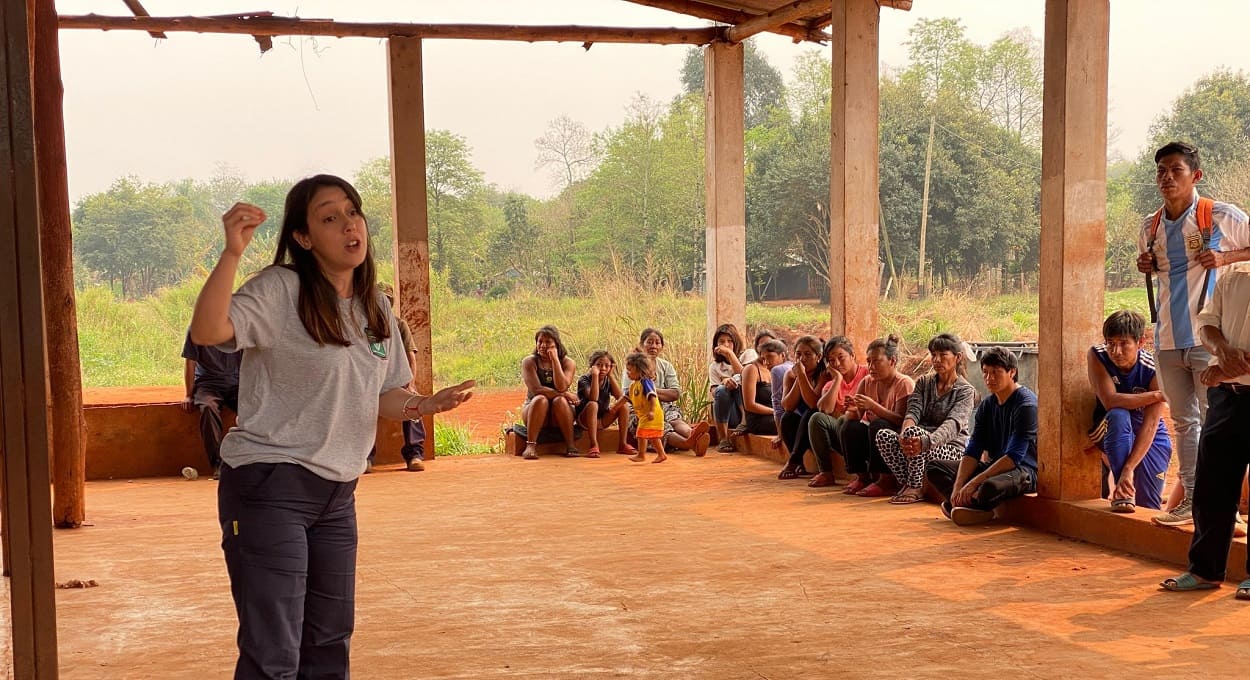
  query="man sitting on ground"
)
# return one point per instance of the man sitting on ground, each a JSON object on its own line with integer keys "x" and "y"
{"x": 1128, "y": 426}
{"x": 211, "y": 377}
{"x": 1000, "y": 461}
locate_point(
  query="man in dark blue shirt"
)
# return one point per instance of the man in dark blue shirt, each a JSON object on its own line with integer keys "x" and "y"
{"x": 1000, "y": 461}
{"x": 212, "y": 381}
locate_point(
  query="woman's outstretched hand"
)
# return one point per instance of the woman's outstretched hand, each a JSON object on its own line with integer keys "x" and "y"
{"x": 447, "y": 398}
{"x": 240, "y": 223}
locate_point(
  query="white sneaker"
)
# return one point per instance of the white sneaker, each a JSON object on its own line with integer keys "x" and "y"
{"x": 1181, "y": 515}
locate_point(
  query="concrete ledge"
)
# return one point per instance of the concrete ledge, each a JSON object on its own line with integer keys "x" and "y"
{"x": 762, "y": 446}
{"x": 514, "y": 444}
{"x": 129, "y": 440}
{"x": 1093, "y": 522}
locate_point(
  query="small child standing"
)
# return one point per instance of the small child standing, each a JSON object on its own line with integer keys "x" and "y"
{"x": 646, "y": 407}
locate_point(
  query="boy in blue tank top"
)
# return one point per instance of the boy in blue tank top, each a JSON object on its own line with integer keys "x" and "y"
{"x": 1128, "y": 426}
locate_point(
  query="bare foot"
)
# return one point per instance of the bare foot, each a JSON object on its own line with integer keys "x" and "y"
{"x": 638, "y": 458}
{"x": 660, "y": 458}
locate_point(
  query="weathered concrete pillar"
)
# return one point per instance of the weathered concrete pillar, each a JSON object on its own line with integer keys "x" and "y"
{"x": 726, "y": 211}
{"x": 1074, "y": 211}
{"x": 411, "y": 217}
{"x": 853, "y": 192}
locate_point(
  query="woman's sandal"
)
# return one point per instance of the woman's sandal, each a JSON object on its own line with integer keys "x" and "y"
{"x": 873, "y": 490}
{"x": 788, "y": 472}
{"x": 823, "y": 479}
{"x": 1243, "y": 590}
{"x": 1187, "y": 582}
{"x": 907, "y": 497}
{"x": 593, "y": 452}
{"x": 572, "y": 452}
{"x": 726, "y": 446}
{"x": 531, "y": 451}
{"x": 1123, "y": 505}
{"x": 626, "y": 450}
{"x": 854, "y": 487}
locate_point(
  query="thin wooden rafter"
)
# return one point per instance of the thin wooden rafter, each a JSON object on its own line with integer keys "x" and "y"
{"x": 136, "y": 8}
{"x": 276, "y": 26}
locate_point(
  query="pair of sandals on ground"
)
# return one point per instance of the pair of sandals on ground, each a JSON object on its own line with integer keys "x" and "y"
{"x": 1187, "y": 582}
{"x": 881, "y": 488}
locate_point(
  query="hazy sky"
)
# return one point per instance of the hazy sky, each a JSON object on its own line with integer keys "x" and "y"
{"x": 181, "y": 107}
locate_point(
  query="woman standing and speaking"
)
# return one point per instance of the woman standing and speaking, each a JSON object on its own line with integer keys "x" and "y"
{"x": 323, "y": 361}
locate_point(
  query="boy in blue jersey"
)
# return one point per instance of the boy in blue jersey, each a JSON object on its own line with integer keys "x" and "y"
{"x": 1000, "y": 460}
{"x": 1177, "y": 252}
{"x": 1128, "y": 426}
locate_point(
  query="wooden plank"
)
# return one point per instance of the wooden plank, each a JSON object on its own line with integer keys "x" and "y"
{"x": 774, "y": 19}
{"x": 725, "y": 186}
{"x": 1073, "y": 238}
{"x": 275, "y": 26}
{"x": 56, "y": 247}
{"x": 854, "y": 192}
{"x": 23, "y": 383}
{"x": 704, "y": 10}
{"x": 411, "y": 215}
{"x": 136, "y": 8}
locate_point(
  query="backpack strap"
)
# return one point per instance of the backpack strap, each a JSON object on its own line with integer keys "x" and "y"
{"x": 1205, "y": 219}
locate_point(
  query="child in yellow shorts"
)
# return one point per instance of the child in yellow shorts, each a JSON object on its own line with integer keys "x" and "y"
{"x": 646, "y": 407}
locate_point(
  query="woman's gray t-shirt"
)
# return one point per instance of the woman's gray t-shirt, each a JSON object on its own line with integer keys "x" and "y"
{"x": 316, "y": 406}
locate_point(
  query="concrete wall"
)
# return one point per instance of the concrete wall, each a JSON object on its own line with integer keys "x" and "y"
{"x": 145, "y": 433}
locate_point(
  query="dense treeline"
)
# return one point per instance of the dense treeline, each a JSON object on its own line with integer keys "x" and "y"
{"x": 960, "y": 184}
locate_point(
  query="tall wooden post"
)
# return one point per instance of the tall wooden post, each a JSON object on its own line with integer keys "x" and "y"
{"x": 854, "y": 279}
{"x": 1074, "y": 211}
{"x": 726, "y": 206}
{"x": 23, "y": 378}
{"x": 64, "y": 371}
{"x": 412, "y": 228}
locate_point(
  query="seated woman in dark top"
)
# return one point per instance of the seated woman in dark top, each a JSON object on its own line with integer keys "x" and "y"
{"x": 757, "y": 393}
{"x": 548, "y": 376}
{"x": 802, "y": 385}
{"x": 595, "y": 408}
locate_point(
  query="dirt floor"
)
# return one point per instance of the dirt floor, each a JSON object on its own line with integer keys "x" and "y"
{"x": 495, "y": 567}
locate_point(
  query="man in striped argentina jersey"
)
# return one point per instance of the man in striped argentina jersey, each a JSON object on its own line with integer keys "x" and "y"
{"x": 1177, "y": 253}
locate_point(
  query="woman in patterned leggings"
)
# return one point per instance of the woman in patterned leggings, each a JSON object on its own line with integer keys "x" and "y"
{"x": 935, "y": 426}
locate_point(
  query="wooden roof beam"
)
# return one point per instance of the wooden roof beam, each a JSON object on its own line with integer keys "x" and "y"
{"x": 275, "y": 26}
{"x": 778, "y": 17}
{"x": 903, "y": 5}
{"x": 799, "y": 31}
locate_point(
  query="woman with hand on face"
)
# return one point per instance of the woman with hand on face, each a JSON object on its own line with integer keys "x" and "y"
{"x": 548, "y": 376}
{"x": 725, "y": 381}
{"x": 935, "y": 426}
{"x": 834, "y": 410}
{"x": 323, "y": 361}
{"x": 878, "y": 404}
{"x": 802, "y": 386}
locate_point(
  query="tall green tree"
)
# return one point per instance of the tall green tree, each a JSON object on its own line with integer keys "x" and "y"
{"x": 453, "y": 187}
{"x": 135, "y": 236}
{"x": 1213, "y": 115}
{"x": 763, "y": 88}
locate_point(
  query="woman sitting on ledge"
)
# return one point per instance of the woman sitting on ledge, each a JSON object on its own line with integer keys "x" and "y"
{"x": 548, "y": 376}
{"x": 936, "y": 423}
{"x": 802, "y": 390}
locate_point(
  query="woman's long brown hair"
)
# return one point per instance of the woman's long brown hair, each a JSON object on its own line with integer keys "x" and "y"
{"x": 318, "y": 302}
